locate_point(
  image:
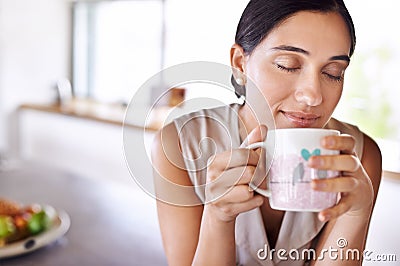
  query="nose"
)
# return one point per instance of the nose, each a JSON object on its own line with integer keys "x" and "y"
{"x": 309, "y": 91}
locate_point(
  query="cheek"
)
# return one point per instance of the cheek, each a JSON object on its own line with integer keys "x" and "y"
{"x": 332, "y": 97}
{"x": 271, "y": 86}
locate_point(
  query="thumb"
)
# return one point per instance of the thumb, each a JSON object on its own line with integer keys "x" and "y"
{"x": 258, "y": 134}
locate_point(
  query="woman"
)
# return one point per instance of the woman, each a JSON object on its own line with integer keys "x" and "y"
{"x": 296, "y": 52}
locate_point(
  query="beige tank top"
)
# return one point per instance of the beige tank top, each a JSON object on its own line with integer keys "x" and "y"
{"x": 209, "y": 131}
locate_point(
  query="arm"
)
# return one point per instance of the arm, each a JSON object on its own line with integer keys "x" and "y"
{"x": 179, "y": 225}
{"x": 350, "y": 218}
{"x": 197, "y": 235}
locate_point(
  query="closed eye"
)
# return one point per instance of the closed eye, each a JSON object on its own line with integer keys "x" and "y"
{"x": 333, "y": 77}
{"x": 287, "y": 69}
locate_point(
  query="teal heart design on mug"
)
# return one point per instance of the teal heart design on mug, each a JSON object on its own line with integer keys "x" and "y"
{"x": 306, "y": 154}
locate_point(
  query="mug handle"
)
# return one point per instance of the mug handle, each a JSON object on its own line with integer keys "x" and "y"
{"x": 264, "y": 192}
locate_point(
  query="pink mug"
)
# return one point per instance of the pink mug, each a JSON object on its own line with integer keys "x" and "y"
{"x": 288, "y": 177}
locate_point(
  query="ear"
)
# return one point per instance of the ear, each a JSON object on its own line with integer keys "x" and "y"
{"x": 238, "y": 58}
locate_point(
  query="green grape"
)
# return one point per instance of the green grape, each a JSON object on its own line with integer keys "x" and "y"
{"x": 6, "y": 226}
{"x": 38, "y": 222}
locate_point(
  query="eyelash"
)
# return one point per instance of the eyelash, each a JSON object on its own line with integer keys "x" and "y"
{"x": 291, "y": 70}
{"x": 286, "y": 68}
{"x": 334, "y": 78}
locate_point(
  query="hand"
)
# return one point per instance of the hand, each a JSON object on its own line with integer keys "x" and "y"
{"x": 354, "y": 185}
{"x": 228, "y": 177}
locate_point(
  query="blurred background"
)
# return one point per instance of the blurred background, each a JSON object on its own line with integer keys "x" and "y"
{"x": 100, "y": 52}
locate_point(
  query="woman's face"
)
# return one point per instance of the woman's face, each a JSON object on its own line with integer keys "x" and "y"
{"x": 299, "y": 68}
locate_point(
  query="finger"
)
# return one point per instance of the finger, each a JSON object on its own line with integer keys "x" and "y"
{"x": 348, "y": 163}
{"x": 337, "y": 210}
{"x": 247, "y": 174}
{"x": 344, "y": 143}
{"x": 235, "y": 176}
{"x": 336, "y": 184}
{"x": 228, "y": 181}
{"x": 236, "y": 208}
{"x": 256, "y": 135}
{"x": 233, "y": 158}
{"x": 236, "y": 194}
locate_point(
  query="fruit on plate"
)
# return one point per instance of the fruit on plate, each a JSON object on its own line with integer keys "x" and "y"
{"x": 18, "y": 222}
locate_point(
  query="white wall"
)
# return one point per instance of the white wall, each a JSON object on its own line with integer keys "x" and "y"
{"x": 2, "y": 117}
{"x": 34, "y": 53}
{"x": 88, "y": 148}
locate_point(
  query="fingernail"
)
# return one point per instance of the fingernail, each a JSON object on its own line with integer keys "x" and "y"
{"x": 324, "y": 217}
{"x": 264, "y": 131}
{"x": 250, "y": 189}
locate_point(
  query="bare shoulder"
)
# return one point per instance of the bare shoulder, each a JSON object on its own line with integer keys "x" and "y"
{"x": 165, "y": 136}
{"x": 371, "y": 147}
{"x": 167, "y": 156}
{"x": 171, "y": 178}
{"x": 372, "y": 161}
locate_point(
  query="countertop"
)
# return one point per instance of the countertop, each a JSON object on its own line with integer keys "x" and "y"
{"x": 111, "y": 224}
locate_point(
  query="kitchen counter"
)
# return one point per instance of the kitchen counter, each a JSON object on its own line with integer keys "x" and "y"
{"x": 111, "y": 224}
{"x": 88, "y": 109}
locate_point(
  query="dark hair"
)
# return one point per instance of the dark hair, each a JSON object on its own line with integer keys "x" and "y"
{"x": 260, "y": 17}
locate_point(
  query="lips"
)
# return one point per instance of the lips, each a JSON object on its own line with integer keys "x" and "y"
{"x": 301, "y": 119}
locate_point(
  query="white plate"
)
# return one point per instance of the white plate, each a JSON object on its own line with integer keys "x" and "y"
{"x": 60, "y": 226}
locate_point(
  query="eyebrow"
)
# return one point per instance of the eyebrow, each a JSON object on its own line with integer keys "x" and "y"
{"x": 302, "y": 51}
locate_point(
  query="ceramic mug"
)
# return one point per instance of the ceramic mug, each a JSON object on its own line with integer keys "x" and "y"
{"x": 287, "y": 182}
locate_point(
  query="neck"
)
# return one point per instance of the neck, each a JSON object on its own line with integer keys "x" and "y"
{"x": 247, "y": 121}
